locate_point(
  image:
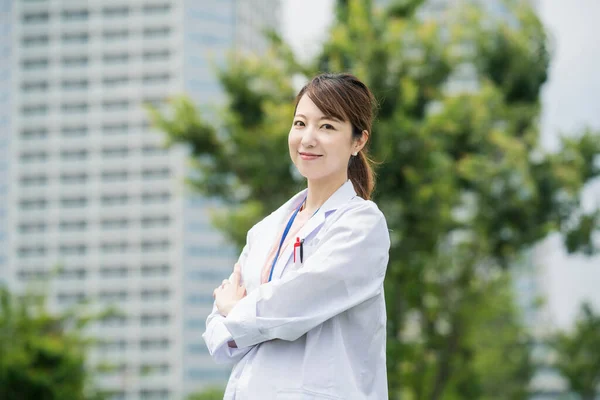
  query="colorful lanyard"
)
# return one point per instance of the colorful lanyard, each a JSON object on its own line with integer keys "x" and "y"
{"x": 285, "y": 233}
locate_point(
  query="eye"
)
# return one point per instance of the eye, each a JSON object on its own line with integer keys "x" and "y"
{"x": 298, "y": 123}
{"x": 328, "y": 126}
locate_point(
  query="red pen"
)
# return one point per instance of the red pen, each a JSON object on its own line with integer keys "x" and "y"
{"x": 297, "y": 244}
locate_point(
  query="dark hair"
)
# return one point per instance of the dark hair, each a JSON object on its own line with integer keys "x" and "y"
{"x": 346, "y": 98}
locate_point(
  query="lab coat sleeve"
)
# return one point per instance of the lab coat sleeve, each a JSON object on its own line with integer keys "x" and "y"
{"x": 216, "y": 336}
{"x": 347, "y": 268}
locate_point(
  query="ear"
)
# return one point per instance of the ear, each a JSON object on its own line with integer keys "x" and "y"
{"x": 360, "y": 143}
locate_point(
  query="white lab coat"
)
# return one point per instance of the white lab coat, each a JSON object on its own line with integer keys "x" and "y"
{"x": 318, "y": 329}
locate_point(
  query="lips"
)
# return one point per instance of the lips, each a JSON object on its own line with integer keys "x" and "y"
{"x": 309, "y": 156}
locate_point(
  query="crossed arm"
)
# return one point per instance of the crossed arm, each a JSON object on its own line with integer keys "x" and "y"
{"x": 347, "y": 269}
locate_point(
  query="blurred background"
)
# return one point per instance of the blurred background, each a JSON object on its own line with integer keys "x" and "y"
{"x": 141, "y": 139}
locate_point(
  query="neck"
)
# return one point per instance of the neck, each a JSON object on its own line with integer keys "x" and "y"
{"x": 321, "y": 190}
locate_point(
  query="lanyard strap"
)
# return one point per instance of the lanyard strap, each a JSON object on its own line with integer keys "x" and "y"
{"x": 285, "y": 233}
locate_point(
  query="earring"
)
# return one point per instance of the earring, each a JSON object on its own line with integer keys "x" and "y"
{"x": 355, "y": 153}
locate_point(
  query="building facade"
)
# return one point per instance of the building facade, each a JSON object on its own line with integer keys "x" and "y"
{"x": 94, "y": 206}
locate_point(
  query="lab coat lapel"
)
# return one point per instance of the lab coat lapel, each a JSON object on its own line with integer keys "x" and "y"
{"x": 341, "y": 196}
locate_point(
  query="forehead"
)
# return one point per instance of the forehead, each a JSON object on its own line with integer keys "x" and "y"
{"x": 307, "y": 107}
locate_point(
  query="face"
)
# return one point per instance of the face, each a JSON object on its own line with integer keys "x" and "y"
{"x": 321, "y": 145}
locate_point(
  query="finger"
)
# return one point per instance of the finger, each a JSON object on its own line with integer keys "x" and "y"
{"x": 237, "y": 274}
{"x": 225, "y": 281}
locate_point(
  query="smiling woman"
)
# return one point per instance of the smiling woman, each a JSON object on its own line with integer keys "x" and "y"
{"x": 303, "y": 314}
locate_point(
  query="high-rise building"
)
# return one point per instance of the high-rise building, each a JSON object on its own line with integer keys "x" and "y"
{"x": 5, "y": 51}
{"x": 89, "y": 194}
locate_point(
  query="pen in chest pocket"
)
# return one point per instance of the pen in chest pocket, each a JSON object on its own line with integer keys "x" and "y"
{"x": 300, "y": 246}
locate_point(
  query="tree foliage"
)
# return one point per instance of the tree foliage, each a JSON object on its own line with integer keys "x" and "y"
{"x": 463, "y": 180}
{"x": 42, "y": 355}
{"x": 578, "y": 355}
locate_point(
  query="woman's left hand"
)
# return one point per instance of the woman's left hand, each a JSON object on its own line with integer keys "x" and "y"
{"x": 230, "y": 292}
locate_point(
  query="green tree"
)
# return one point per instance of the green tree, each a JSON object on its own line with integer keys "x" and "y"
{"x": 42, "y": 356}
{"x": 463, "y": 181}
{"x": 578, "y": 355}
{"x": 213, "y": 393}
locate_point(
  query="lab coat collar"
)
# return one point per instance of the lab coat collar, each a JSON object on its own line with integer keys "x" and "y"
{"x": 341, "y": 196}
{"x": 338, "y": 198}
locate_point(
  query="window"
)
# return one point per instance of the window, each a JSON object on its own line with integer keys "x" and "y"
{"x": 115, "y": 295}
{"x": 156, "y": 32}
{"x": 34, "y": 134}
{"x": 115, "y": 81}
{"x": 199, "y": 299}
{"x": 151, "y": 369}
{"x": 115, "y": 152}
{"x": 154, "y": 344}
{"x": 195, "y": 323}
{"x": 154, "y": 319}
{"x": 114, "y": 247}
{"x": 33, "y": 156}
{"x": 73, "y": 202}
{"x": 72, "y": 155}
{"x": 156, "y": 198}
{"x": 32, "y": 227}
{"x": 107, "y": 345}
{"x": 36, "y": 17}
{"x": 114, "y": 223}
{"x": 197, "y": 348}
{"x": 155, "y": 294}
{"x": 73, "y": 178}
{"x": 35, "y": 110}
{"x": 74, "y": 131}
{"x": 151, "y": 9}
{"x": 114, "y": 271}
{"x": 115, "y": 12}
{"x": 118, "y": 58}
{"x": 114, "y": 35}
{"x": 156, "y": 55}
{"x": 32, "y": 251}
{"x": 77, "y": 84}
{"x": 115, "y": 105}
{"x": 37, "y": 86}
{"x": 70, "y": 298}
{"x": 33, "y": 204}
{"x": 114, "y": 176}
{"x": 112, "y": 129}
{"x": 35, "y": 64}
{"x": 35, "y": 40}
{"x": 75, "y": 61}
{"x": 150, "y": 150}
{"x": 155, "y": 394}
{"x": 114, "y": 320}
{"x": 155, "y": 270}
{"x": 72, "y": 249}
{"x": 157, "y": 173}
{"x": 74, "y": 274}
{"x": 154, "y": 245}
{"x": 73, "y": 226}
{"x": 74, "y": 108}
{"x": 75, "y": 38}
{"x": 34, "y": 180}
{"x": 153, "y": 222}
{"x": 112, "y": 200}
{"x": 205, "y": 275}
{"x": 75, "y": 15}
{"x": 33, "y": 275}
{"x": 156, "y": 78}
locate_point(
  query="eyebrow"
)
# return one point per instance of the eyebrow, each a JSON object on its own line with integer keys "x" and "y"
{"x": 329, "y": 117}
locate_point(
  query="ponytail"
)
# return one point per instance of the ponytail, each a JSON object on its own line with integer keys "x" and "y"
{"x": 360, "y": 173}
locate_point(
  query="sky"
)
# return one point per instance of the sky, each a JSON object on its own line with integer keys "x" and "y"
{"x": 570, "y": 102}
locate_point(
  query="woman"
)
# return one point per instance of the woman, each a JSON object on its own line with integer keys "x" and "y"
{"x": 313, "y": 322}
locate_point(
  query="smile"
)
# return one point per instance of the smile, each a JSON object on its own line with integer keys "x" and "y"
{"x": 309, "y": 156}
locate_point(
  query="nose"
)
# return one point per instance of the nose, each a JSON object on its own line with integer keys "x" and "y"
{"x": 308, "y": 137}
